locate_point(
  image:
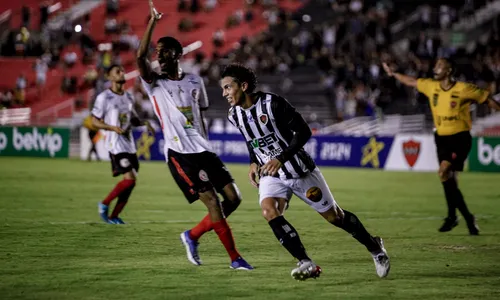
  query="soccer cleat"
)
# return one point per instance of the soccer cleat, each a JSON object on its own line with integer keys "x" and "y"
{"x": 117, "y": 221}
{"x": 103, "y": 212}
{"x": 240, "y": 264}
{"x": 473, "y": 228}
{"x": 449, "y": 224}
{"x": 191, "y": 248}
{"x": 306, "y": 269}
{"x": 381, "y": 259}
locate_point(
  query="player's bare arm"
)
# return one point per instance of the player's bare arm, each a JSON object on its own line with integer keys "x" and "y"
{"x": 492, "y": 103}
{"x": 99, "y": 124}
{"x": 142, "y": 61}
{"x": 405, "y": 79}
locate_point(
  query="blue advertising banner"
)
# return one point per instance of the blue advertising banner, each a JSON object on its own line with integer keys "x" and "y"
{"x": 340, "y": 151}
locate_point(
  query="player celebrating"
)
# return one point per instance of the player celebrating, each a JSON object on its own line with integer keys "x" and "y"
{"x": 178, "y": 99}
{"x": 450, "y": 101}
{"x": 113, "y": 111}
{"x": 276, "y": 133}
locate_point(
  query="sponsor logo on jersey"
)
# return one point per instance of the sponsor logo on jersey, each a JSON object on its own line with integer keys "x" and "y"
{"x": 314, "y": 194}
{"x": 453, "y": 104}
{"x": 263, "y": 141}
{"x": 411, "y": 151}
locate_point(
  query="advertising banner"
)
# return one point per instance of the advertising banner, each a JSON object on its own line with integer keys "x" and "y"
{"x": 341, "y": 151}
{"x": 34, "y": 141}
{"x": 485, "y": 154}
{"x": 413, "y": 152}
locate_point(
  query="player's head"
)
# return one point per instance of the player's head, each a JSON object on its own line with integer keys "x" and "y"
{"x": 443, "y": 69}
{"x": 236, "y": 82}
{"x": 169, "y": 51}
{"x": 116, "y": 73}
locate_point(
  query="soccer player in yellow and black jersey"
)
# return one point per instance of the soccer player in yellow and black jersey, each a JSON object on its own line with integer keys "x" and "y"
{"x": 450, "y": 102}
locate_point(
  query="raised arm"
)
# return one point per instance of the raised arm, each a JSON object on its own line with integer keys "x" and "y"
{"x": 405, "y": 79}
{"x": 142, "y": 52}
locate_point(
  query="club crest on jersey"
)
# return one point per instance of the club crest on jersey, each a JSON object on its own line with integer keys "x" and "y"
{"x": 453, "y": 104}
{"x": 411, "y": 151}
{"x": 314, "y": 194}
{"x": 263, "y": 119}
{"x": 203, "y": 176}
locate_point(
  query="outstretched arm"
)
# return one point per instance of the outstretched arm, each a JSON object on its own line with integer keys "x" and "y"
{"x": 405, "y": 79}
{"x": 493, "y": 104}
{"x": 142, "y": 61}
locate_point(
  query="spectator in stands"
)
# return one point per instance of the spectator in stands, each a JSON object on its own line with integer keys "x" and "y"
{"x": 26, "y": 16}
{"x": 195, "y": 6}
{"x": 218, "y": 38}
{"x": 185, "y": 24}
{"x": 210, "y": 5}
{"x": 182, "y": 5}
{"x": 20, "y": 92}
{"x": 44, "y": 13}
{"x": 112, "y": 7}
{"x": 7, "y": 99}
{"x": 110, "y": 25}
{"x": 41, "y": 72}
{"x": 70, "y": 59}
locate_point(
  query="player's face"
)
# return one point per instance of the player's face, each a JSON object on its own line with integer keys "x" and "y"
{"x": 232, "y": 91}
{"x": 441, "y": 69}
{"x": 167, "y": 57}
{"x": 117, "y": 75}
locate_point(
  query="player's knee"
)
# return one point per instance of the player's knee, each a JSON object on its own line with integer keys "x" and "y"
{"x": 270, "y": 212}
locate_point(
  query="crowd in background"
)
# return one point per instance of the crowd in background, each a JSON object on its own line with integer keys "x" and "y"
{"x": 346, "y": 49}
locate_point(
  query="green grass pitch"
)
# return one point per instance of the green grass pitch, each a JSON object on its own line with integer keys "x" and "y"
{"x": 53, "y": 246}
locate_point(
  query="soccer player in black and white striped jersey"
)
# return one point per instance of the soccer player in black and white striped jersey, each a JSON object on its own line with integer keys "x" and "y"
{"x": 276, "y": 133}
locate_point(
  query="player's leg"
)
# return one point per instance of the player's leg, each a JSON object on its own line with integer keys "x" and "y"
{"x": 224, "y": 184}
{"x": 314, "y": 190}
{"x": 123, "y": 197}
{"x": 274, "y": 195}
{"x": 444, "y": 154}
{"x": 452, "y": 153}
{"x": 209, "y": 197}
{"x": 121, "y": 163}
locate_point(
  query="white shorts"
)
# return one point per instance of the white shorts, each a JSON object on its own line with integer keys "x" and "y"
{"x": 312, "y": 189}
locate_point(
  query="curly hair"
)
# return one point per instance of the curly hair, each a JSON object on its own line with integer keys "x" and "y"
{"x": 241, "y": 74}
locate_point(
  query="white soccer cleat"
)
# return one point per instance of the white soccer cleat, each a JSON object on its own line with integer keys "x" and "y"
{"x": 306, "y": 269}
{"x": 381, "y": 260}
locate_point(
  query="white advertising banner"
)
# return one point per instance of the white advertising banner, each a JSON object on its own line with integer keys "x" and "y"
{"x": 86, "y": 144}
{"x": 412, "y": 152}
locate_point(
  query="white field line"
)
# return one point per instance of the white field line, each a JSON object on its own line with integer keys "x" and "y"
{"x": 425, "y": 218}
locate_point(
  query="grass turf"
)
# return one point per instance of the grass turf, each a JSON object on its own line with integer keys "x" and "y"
{"x": 53, "y": 246}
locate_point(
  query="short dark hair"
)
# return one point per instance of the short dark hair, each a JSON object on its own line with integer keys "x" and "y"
{"x": 241, "y": 74}
{"x": 450, "y": 63}
{"x": 112, "y": 67}
{"x": 171, "y": 43}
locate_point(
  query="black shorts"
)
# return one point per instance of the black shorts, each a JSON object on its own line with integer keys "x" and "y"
{"x": 122, "y": 163}
{"x": 92, "y": 135}
{"x": 198, "y": 172}
{"x": 454, "y": 148}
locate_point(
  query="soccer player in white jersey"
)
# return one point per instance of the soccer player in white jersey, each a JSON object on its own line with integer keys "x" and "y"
{"x": 276, "y": 133}
{"x": 114, "y": 111}
{"x": 178, "y": 99}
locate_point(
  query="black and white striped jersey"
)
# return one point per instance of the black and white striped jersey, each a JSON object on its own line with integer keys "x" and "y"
{"x": 268, "y": 129}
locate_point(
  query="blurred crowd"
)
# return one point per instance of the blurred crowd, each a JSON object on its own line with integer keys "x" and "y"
{"x": 346, "y": 48}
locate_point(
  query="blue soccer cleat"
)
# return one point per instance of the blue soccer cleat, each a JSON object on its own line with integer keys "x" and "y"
{"x": 117, "y": 221}
{"x": 241, "y": 264}
{"x": 103, "y": 212}
{"x": 191, "y": 248}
